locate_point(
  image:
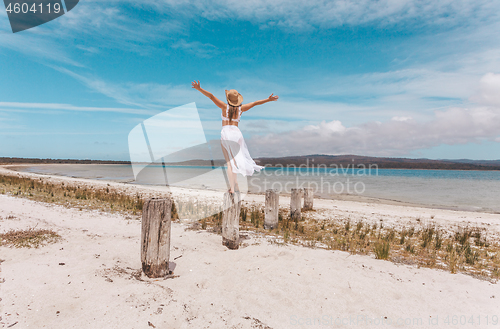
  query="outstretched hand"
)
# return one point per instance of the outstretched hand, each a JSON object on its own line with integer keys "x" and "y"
{"x": 273, "y": 98}
{"x": 196, "y": 85}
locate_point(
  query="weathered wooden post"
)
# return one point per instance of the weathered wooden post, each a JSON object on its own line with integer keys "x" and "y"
{"x": 231, "y": 220}
{"x": 295, "y": 204}
{"x": 155, "y": 237}
{"x": 271, "y": 209}
{"x": 308, "y": 198}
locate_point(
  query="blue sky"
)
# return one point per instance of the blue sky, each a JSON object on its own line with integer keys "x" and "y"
{"x": 382, "y": 78}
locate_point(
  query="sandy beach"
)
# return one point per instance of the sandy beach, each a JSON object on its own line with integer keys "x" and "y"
{"x": 92, "y": 277}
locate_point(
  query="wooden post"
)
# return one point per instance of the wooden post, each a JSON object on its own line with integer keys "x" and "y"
{"x": 271, "y": 210}
{"x": 231, "y": 220}
{"x": 308, "y": 198}
{"x": 155, "y": 237}
{"x": 295, "y": 204}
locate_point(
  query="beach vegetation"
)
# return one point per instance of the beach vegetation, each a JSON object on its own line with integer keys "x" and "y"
{"x": 410, "y": 248}
{"x": 381, "y": 249}
{"x": 402, "y": 236}
{"x": 459, "y": 250}
{"x": 75, "y": 196}
{"x": 28, "y": 238}
{"x": 427, "y": 236}
{"x": 71, "y": 195}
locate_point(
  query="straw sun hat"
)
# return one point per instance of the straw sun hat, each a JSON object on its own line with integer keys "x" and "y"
{"x": 233, "y": 97}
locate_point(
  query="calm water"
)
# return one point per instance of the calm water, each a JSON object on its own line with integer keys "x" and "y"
{"x": 470, "y": 190}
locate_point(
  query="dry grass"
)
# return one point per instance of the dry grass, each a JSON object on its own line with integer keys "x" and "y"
{"x": 28, "y": 238}
{"x": 381, "y": 249}
{"x": 466, "y": 250}
{"x": 74, "y": 196}
{"x": 193, "y": 209}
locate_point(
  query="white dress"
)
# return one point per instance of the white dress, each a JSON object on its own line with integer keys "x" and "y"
{"x": 233, "y": 142}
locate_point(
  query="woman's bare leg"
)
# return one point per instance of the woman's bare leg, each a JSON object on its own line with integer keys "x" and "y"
{"x": 235, "y": 180}
{"x": 231, "y": 175}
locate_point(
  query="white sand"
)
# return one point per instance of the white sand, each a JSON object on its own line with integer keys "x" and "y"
{"x": 261, "y": 285}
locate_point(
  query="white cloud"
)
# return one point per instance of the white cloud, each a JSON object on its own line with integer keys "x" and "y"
{"x": 7, "y": 124}
{"x": 300, "y": 15}
{"x": 326, "y": 128}
{"x": 152, "y": 96}
{"x": 39, "y": 47}
{"x": 489, "y": 90}
{"x": 113, "y": 26}
{"x": 106, "y": 24}
{"x": 158, "y": 96}
{"x": 401, "y": 118}
{"x": 204, "y": 50}
{"x": 390, "y": 138}
{"x": 13, "y": 106}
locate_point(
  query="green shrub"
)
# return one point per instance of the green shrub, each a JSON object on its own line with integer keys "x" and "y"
{"x": 381, "y": 249}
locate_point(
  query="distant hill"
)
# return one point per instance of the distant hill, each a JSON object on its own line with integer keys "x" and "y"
{"x": 308, "y": 160}
{"x": 387, "y": 163}
{"x": 47, "y": 161}
{"x": 495, "y": 163}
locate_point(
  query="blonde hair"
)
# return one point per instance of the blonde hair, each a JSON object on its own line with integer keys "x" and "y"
{"x": 231, "y": 112}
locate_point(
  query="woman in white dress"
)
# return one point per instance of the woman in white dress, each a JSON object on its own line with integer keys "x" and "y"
{"x": 235, "y": 150}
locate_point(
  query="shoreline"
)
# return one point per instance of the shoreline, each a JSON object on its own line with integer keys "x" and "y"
{"x": 338, "y": 197}
{"x": 369, "y": 210}
{"x": 273, "y": 167}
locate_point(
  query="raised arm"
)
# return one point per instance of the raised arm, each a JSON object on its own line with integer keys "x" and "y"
{"x": 246, "y": 107}
{"x": 218, "y": 102}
